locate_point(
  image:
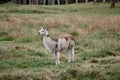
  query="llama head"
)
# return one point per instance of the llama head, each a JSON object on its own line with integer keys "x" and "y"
{"x": 43, "y": 32}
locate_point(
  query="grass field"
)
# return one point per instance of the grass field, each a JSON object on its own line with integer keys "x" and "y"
{"x": 95, "y": 27}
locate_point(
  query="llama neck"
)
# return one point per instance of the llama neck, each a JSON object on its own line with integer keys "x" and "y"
{"x": 48, "y": 43}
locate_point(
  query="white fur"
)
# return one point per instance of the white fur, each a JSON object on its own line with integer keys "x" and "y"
{"x": 59, "y": 44}
{"x": 47, "y": 47}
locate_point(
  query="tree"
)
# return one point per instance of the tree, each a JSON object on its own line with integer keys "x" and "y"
{"x": 104, "y": 1}
{"x": 44, "y": 2}
{"x": 76, "y": 1}
{"x": 53, "y": 2}
{"x": 66, "y": 1}
{"x": 112, "y": 3}
{"x": 37, "y": 2}
{"x": 86, "y": 1}
{"x": 2, "y": 1}
{"x": 20, "y": 2}
{"x": 30, "y": 2}
{"x": 95, "y": 1}
{"x": 24, "y": 2}
{"x": 58, "y": 2}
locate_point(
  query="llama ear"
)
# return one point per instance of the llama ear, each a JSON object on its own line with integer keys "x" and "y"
{"x": 47, "y": 29}
{"x": 43, "y": 27}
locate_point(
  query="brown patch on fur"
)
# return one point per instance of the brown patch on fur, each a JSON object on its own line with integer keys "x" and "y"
{"x": 48, "y": 35}
{"x": 55, "y": 39}
{"x": 67, "y": 37}
{"x": 56, "y": 45}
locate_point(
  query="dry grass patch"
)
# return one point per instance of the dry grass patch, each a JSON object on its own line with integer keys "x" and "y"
{"x": 28, "y": 74}
{"x": 110, "y": 60}
{"x": 14, "y": 20}
{"x": 106, "y": 24}
{"x": 5, "y": 25}
{"x": 32, "y": 22}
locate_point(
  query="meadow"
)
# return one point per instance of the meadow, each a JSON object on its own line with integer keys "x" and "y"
{"x": 96, "y": 29}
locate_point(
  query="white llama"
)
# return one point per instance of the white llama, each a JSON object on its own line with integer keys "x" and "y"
{"x": 59, "y": 44}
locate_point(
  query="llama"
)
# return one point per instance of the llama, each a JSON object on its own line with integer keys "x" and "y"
{"x": 58, "y": 44}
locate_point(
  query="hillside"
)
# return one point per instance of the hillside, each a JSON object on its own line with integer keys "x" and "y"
{"x": 95, "y": 27}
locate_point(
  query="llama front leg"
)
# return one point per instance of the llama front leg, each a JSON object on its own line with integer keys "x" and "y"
{"x": 72, "y": 54}
{"x": 69, "y": 55}
{"x": 57, "y": 55}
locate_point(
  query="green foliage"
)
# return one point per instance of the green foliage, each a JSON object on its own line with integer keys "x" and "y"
{"x": 9, "y": 5}
{"x": 24, "y": 40}
{"x": 36, "y": 53}
{"x": 79, "y": 74}
{"x": 27, "y": 11}
{"x": 7, "y": 38}
{"x": 3, "y": 33}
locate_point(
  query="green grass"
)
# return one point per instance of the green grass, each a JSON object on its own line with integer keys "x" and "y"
{"x": 95, "y": 27}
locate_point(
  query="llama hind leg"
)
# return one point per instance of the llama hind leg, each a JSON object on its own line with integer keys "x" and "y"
{"x": 71, "y": 54}
{"x": 57, "y": 55}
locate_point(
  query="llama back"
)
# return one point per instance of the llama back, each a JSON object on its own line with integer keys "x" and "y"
{"x": 64, "y": 42}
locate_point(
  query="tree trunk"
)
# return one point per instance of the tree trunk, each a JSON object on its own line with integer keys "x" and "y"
{"x": 112, "y": 3}
{"x": 66, "y": 1}
{"x": 104, "y": 1}
{"x": 24, "y": 2}
{"x": 58, "y": 2}
{"x": 95, "y": 1}
{"x": 20, "y": 1}
{"x": 86, "y": 1}
{"x": 76, "y": 1}
{"x": 52, "y": 2}
{"x": 44, "y": 2}
{"x": 49, "y": 2}
{"x": 14, "y": 1}
{"x": 36, "y": 2}
{"x": 30, "y": 2}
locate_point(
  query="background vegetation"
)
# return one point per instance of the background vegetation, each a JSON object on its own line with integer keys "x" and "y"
{"x": 97, "y": 51}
